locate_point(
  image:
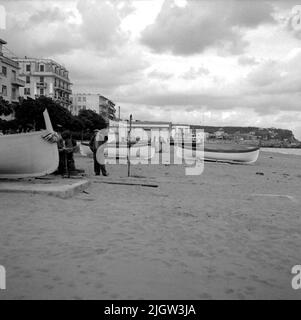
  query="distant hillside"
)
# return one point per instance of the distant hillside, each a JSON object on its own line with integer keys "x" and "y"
{"x": 270, "y": 133}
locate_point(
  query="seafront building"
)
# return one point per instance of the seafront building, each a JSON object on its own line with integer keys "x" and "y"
{"x": 45, "y": 77}
{"x": 93, "y": 101}
{"x": 10, "y": 83}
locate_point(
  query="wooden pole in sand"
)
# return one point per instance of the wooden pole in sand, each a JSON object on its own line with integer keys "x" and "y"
{"x": 129, "y": 147}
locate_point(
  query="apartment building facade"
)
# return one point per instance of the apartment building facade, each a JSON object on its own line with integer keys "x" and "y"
{"x": 95, "y": 102}
{"x": 45, "y": 77}
{"x": 10, "y": 82}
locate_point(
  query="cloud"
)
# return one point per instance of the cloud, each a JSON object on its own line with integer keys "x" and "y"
{"x": 293, "y": 23}
{"x": 47, "y": 16}
{"x": 275, "y": 77}
{"x": 40, "y": 32}
{"x": 247, "y": 61}
{"x": 194, "y": 73}
{"x": 59, "y": 27}
{"x": 200, "y": 25}
{"x": 155, "y": 74}
{"x": 100, "y": 26}
{"x": 91, "y": 72}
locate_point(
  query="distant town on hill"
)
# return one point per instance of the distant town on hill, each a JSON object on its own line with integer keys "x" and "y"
{"x": 268, "y": 137}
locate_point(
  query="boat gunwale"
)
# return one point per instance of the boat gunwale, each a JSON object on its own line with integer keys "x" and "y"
{"x": 23, "y": 134}
{"x": 206, "y": 149}
{"x": 120, "y": 145}
{"x": 232, "y": 150}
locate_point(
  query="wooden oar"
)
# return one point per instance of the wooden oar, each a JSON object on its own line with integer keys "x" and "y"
{"x": 129, "y": 184}
{"x": 47, "y": 121}
{"x": 129, "y": 147}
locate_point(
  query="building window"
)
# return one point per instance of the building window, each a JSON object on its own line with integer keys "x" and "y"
{"x": 41, "y": 92}
{"x": 27, "y": 79}
{"x": 42, "y": 79}
{"x": 4, "y": 90}
{"x": 27, "y": 91}
{"x": 14, "y": 77}
{"x": 4, "y": 71}
{"x": 79, "y": 99}
{"x": 28, "y": 68}
{"x": 84, "y": 99}
{"x": 42, "y": 67}
{"x": 14, "y": 94}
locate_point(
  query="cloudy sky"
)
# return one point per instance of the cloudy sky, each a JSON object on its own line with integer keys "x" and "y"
{"x": 202, "y": 62}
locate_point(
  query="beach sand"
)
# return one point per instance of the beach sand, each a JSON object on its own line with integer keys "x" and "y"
{"x": 230, "y": 233}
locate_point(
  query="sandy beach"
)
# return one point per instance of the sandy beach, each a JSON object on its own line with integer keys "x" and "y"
{"x": 231, "y": 233}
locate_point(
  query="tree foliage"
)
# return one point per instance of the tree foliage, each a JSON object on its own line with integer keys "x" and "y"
{"x": 91, "y": 120}
{"x": 29, "y": 114}
{"x": 6, "y": 108}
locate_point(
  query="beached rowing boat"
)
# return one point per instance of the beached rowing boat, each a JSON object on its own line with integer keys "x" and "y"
{"x": 31, "y": 154}
{"x": 85, "y": 149}
{"x": 139, "y": 151}
{"x": 113, "y": 150}
{"x": 222, "y": 152}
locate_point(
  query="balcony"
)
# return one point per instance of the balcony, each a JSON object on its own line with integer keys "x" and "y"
{"x": 50, "y": 73}
{"x": 41, "y": 85}
{"x": 18, "y": 82}
{"x": 64, "y": 100}
{"x": 58, "y": 87}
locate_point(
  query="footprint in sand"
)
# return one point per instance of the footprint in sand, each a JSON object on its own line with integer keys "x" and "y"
{"x": 195, "y": 254}
{"x": 229, "y": 291}
{"x": 99, "y": 286}
{"x": 205, "y": 296}
{"x": 102, "y": 251}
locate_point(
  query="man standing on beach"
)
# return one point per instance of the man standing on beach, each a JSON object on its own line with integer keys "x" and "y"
{"x": 99, "y": 138}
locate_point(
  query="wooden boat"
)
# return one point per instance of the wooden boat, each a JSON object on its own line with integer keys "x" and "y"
{"x": 139, "y": 151}
{"x": 115, "y": 151}
{"x": 29, "y": 154}
{"x": 222, "y": 152}
{"x": 85, "y": 149}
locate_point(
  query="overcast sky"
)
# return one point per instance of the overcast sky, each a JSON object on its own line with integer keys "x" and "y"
{"x": 202, "y": 62}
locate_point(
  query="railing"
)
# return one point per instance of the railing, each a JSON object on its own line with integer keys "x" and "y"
{"x": 18, "y": 82}
{"x": 60, "y": 87}
{"x": 42, "y": 85}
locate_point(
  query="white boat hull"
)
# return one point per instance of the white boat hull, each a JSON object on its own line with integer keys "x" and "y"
{"x": 246, "y": 157}
{"x": 243, "y": 154}
{"x": 85, "y": 150}
{"x": 137, "y": 152}
{"x": 27, "y": 155}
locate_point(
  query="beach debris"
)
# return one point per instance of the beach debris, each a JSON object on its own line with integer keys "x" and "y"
{"x": 283, "y": 196}
{"x": 260, "y": 173}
